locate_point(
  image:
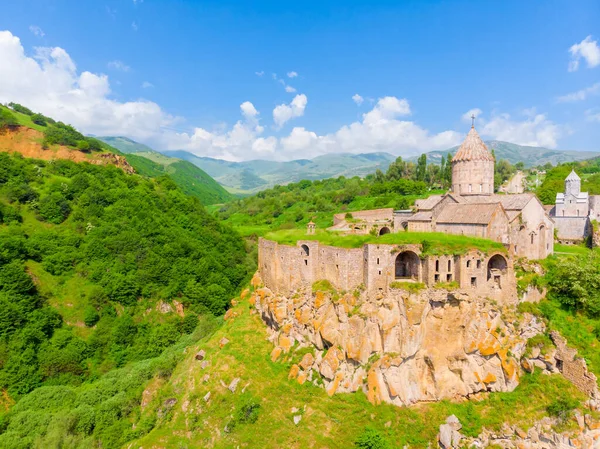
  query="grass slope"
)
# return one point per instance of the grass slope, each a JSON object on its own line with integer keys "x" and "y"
{"x": 433, "y": 242}
{"x": 327, "y": 422}
{"x": 187, "y": 176}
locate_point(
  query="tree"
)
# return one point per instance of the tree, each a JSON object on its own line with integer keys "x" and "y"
{"x": 421, "y": 169}
{"x": 39, "y": 119}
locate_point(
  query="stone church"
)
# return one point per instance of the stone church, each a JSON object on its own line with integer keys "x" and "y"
{"x": 574, "y": 211}
{"x": 471, "y": 208}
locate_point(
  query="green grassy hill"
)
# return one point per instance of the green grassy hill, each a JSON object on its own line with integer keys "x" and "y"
{"x": 191, "y": 179}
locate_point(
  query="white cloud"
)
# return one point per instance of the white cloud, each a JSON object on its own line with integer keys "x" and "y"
{"x": 134, "y": 26}
{"x": 119, "y": 65}
{"x": 37, "y": 31}
{"x": 135, "y": 2}
{"x": 536, "y": 130}
{"x": 147, "y": 85}
{"x": 586, "y": 49}
{"x": 281, "y": 81}
{"x": 261, "y": 73}
{"x": 49, "y": 83}
{"x": 285, "y": 112}
{"x": 357, "y": 99}
{"x": 387, "y": 109}
{"x": 248, "y": 110}
{"x": 292, "y": 74}
{"x": 592, "y": 115}
{"x": 467, "y": 116}
{"x": 290, "y": 89}
{"x": 580, "y": 95}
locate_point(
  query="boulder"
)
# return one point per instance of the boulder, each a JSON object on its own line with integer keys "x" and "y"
{"x": 233, "y": 385}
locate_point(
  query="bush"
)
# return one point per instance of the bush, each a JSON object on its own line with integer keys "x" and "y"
{"x": 562, "y": 407}
{"x": 371, "y": 439}
{"x": 39, "y": 119}
{"x": 7, "y": 119}
{"x": 90, "y": 317}
{"x": 20, "y": 108}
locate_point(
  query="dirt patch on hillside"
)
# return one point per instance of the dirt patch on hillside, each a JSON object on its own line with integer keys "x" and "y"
{"x": 28, "y": 142}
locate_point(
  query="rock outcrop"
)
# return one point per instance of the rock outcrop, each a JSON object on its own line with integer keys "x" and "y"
{"x": 401, "y": 347}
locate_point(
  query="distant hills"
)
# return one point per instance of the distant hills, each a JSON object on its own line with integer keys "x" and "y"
{"x": 252, "y": 176}
{"x": 530, "y": 156}
{"x": 189, "y": 177}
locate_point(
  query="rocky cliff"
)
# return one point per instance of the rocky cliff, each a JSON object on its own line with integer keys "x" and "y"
{"x": 400, "y": 347}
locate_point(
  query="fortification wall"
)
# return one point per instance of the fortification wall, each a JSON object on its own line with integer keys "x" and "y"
{"x": 572, "y": 228}
{"x": 374, "y": 268}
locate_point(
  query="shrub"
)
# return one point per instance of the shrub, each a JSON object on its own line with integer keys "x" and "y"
{"x": 7, "y": 119}
{"x": 371, "y": 439}
{"x": 91, "y": 316}
{"x": 39, "y": 119}
{"x": 20, "y": 108}
{"x": 562, "y": 407}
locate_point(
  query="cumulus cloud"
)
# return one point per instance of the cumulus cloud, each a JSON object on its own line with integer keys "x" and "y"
{"x": 580, "y": 95}
{"x": 467, "y": 116}
{"x": 37, "y": 31}
{"x": 285, "y": 112}
{"x": 119, "y": 65}
{"x": 290, "y": 89}
{"x": 292, "y": 74}
{"x": 248, "y": 110}
{"x": 536, "y": 130}
{"x": 357, "y": 99}
{"x": 588, "y": 50}
{"x": 48, "y": 82}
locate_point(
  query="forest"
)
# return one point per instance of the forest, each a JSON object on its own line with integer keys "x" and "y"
{"x": 88, "y": 255}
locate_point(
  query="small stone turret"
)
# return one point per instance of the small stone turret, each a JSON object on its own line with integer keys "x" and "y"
{"x": 473, "y": 167}
{"x": 310, "y": 228}
{"x": 572, "y": 184}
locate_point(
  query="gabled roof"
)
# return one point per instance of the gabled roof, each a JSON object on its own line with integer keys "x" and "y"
{"x": 472, "y": 149}
{"x": 428, "y": 203}
{"x": 480, "y": 214}
{"x": 573, "y": 176}
{"x": 509, "y": 202}
{"x": 421, "y": 216}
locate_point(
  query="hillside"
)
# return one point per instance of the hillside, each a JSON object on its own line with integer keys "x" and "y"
{"x": 99, "y": 270}
{"x": 190, "y": 178}
{"x": 255, "y": 175}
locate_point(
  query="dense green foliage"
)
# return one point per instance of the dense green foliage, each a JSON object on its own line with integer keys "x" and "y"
{"x": 102, "y": 413}
{"x": 371, "y": 439}
{"x": 554, "y": 181}
{"x": 122, "y": 244}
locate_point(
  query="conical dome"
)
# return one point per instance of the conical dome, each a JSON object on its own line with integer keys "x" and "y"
{"x": 473, "y": 149}
{"x": 573, "y": 176}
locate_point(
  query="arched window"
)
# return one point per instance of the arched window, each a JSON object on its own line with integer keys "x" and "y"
{"x": 305, "y": 250}
{"x": 384, "y": 230}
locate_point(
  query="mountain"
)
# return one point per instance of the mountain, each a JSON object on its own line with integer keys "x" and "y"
{"x": 530, "y": 156}
{"x": 255, "y": 175}
{"x": 189, "y": 177}
{"x": 126, "y": 145}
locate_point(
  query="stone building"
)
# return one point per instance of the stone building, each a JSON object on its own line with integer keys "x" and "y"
{"x": 574, "y": 211}
{"x": 375, "y": 267}
{"x": 471, "y": 208}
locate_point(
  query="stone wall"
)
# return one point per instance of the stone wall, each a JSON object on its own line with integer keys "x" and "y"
{"x": 374, "y": 268}
{"x": 574, "y": 368}
{"x": 572, "y": 228}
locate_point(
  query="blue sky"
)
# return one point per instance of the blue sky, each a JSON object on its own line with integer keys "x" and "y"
{"x": 175, "y": 74}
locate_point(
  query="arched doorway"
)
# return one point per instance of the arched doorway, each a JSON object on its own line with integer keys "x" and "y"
{"x": 496, "y": 268}
{"x": 407, "y": 266}
{"x": 305, "y": 250}
{"x": 384, "y": 230}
